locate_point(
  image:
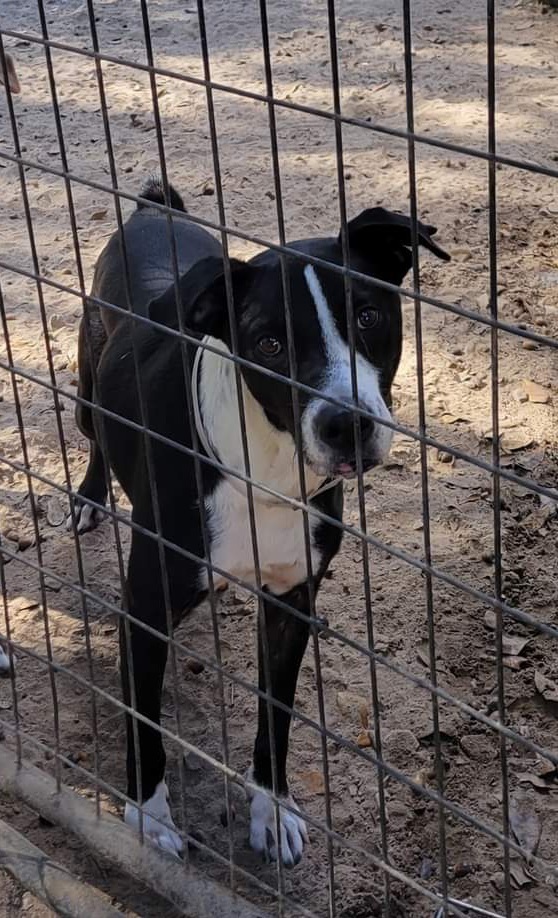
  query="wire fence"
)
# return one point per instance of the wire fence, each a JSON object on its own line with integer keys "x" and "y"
{"x": 354, "y": 869}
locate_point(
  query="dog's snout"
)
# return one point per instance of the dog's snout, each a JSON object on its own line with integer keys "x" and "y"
{"x": 336, "y": 427}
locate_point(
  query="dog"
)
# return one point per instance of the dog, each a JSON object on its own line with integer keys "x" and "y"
{"x": 119, "y": 347}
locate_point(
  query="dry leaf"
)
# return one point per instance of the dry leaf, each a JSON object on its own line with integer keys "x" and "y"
{"x": 525, "y": 824}
{"x": 364, "y": 739}
{"x": 513, "y": 440}
{"x": 313, "y": 782}
{"x": 546, "y": 768}
{"x": 514, "y": 663}
{"x": 536, "y": 393}
{"x": 538, "y": 518}
{"x": 513, "y": 646}
{"x": 534, "y": 780}
{"x": 423, "y": 653}
{"x": 98, "y": 215}
{"x": 520, "y": 876}
{"x": 546, "y": 687}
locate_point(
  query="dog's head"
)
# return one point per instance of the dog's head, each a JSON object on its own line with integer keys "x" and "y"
{"x": 322, "y": 328}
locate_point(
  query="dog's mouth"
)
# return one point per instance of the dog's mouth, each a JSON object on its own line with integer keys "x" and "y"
{"x": 346, "y": 469}
{"x": 349, "y": 469}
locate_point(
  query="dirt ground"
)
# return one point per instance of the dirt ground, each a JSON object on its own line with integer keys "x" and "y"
{"x": 450, "y": 103}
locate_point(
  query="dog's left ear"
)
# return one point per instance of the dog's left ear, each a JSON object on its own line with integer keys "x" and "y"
{"x": 202, "y": 297}
{"x": 387, "y": 235}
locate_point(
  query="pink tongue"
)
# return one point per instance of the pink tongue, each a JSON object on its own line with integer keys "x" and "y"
{"x": 345, "y": 468}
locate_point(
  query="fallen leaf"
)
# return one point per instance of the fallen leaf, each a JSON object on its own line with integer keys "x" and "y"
{"x": 514, "y": 663}
{"x": 513, "y": 440}
{"x": 525, "y": 824}
{"x": 534, "y": 780}
{"x": 546, "y": 768}
{"x": 364, "y": 739}
{"x": 448, "y": 418}
{"x": 538, "y": 518}
{"x": 513, "y": 646}
{"x": 520, "y": 876}
{"x": 536, "y": 393}
{"x": 98, "y": 215}
{"x": 423, "y": 653}
{"x": 313, "y": 782}
{"x": 55, "y": 512}
{"x": 546, "y": 687}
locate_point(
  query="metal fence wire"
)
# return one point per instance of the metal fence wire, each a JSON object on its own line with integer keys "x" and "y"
{"x": 423, "y": 752}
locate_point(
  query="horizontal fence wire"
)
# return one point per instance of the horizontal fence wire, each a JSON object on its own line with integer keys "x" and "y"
{"x": 392, "y": 891}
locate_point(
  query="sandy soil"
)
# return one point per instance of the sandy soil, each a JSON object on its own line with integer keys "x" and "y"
{"x": 450, "y": 100}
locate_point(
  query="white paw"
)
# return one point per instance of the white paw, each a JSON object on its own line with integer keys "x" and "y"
{"x": 263, "y": 831}
{"x": 158, "y": 825}
{"x": 4, "y": 662}
{"x": 87, "y": 518}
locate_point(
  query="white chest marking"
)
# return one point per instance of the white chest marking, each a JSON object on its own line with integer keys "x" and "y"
{"x": 273, "y": 461}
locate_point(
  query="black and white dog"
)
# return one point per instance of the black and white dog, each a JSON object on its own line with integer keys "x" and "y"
{"x": 379, "y": 246}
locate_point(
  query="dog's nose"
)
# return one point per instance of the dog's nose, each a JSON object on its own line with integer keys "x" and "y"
{"x": 336, "y": 428}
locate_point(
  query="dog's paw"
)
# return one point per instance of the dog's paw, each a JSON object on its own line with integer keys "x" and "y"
{"x": 158, "y": 825}
{"x": 87, "y": 518}
{"x": 4, "y": 662}
{"x": 263, "y": 830}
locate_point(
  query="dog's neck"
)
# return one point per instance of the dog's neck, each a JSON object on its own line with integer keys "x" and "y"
{"x": 272, "y": 452}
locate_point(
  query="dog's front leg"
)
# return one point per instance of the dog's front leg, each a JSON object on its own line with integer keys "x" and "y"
{"x": 285, "y": 639}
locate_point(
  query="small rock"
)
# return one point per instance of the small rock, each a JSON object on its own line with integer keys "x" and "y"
{"x": 351, "y": 704}
{"x": 462, "y": 869}
{"x": 399, "y": 746}
{"x": 192, "y": 762}
{"x": 195, "y": 666}
{"x": 529, "y": 345}
{"x": 478, "y": 747}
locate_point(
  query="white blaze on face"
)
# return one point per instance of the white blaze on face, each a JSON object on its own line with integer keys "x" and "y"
{"x": 337, "y": 383}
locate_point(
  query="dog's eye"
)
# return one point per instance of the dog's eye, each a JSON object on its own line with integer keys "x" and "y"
{"x": 270, "y": 347}
{"x": 368, "y": 318}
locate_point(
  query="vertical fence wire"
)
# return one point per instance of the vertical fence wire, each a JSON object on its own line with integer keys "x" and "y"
{"x": 419, "y": 347}
{"x": 495, "y": 400}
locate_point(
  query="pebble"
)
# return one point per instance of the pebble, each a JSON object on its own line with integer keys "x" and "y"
{"x": 398, "y": 746}
{"x": 477, "y": 747}
{"x": 195, "y": 666}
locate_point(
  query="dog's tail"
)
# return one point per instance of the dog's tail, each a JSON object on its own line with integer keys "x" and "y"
{"x": 153, "y": 191}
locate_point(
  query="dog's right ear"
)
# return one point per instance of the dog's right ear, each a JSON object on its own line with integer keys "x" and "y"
{"x": 202, "y": 297}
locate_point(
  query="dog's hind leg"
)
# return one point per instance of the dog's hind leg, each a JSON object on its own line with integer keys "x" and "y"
{"x": 286, "y": 636}
{"x": 94, "y": 486}
{"x": 142, "y": 682}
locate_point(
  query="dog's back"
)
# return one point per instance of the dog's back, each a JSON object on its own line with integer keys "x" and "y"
{"x": 130, "y": 275}
{"x": 145, "y": 264}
